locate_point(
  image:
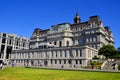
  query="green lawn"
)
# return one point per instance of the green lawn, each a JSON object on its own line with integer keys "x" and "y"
{"x": 20, "y": 73}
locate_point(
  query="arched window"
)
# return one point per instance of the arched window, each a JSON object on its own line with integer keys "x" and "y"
{"x": 67, "y": 44}
{"x": 60, "y": 44}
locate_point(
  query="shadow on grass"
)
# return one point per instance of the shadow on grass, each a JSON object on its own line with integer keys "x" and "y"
{"x": 84, "y": 70}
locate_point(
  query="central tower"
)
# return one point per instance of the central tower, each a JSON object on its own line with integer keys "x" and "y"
{"x": 77, "y": 18}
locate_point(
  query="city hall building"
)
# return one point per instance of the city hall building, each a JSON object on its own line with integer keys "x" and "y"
{"x": 65, "y": 45}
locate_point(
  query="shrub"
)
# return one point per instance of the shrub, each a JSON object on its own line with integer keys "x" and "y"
{"x": 119, "y": 66}
{"x": 117, "y": 56}
{"x": 95, "y": 57}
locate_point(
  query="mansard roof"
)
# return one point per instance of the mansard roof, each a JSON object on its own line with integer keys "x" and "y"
{"x": 61, "y": 24}
{"x": 92, "y": 19}
{"x": 94, "y": 16}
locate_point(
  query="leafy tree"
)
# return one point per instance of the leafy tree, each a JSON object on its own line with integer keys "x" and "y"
{"x": 117, "y": 56}
{"x": 118, "y": 49}
{"x": 119, "y": 67}
{"x": 95, "y": 57}
{"x": 92, "y": 63}
{"x": 108, "y": 51}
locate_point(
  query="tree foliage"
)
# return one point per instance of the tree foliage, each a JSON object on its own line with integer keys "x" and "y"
{"x": 118, "y": 49}
{"x": 108, "y": 51}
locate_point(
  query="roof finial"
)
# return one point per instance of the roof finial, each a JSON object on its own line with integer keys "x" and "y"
{"x": 77, "y": 12}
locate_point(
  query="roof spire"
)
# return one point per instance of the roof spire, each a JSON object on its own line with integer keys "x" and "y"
{"x": 77, "y": 18}
{"x": 77, "y": 12}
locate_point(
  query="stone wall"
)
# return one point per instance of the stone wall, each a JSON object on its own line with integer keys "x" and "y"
{"x": 77, "y": 56}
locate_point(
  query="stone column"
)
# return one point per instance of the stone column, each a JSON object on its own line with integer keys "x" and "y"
{"x": 0, "y": 51}
{"x": 54, "y": 54}
{"x": 85, "y": 52}
{"x": 43, "y": 55}
{"x": 63, "y": 54}
{"x": 68, "y": 54}
{"x": 13, "y": 43}
{"x": 73, "y": 53}
{"x": 0, "y": 46}
{"x": 58, "y": 52}
{"x": 73, "y": 63}
{"x": 78, "y": 53}
{"x": 84, "y": 63}
{"x": 57, "y": 43}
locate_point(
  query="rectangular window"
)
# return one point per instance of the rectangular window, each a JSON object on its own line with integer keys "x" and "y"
{"x": 76, "y": 61}
{"x": 90, "y": 39}
{"x": 55, "y": 43}
{"x": 76, "y": 53}
{"x": 56, "y": 54}
{"x": 4, "y": 35}
{"x": 80, "y": 53}
{"x": 52, "y": 53}
{"x": 96, "y": 47}
{"x": 10, "y": 42}
{"x": 51, "y": 61}
{"x": 87, "y": 40}
{"x": 64, "y": 61}
{"x": 80, "y": 61}
{"x": 59, "y": 61}
{"x": 3, "y": 40}
{"x": 70, "y": 61}
{"x": 55, "y": 61}
{"x": 17, "y": 43}
{"x": 94, "y": 39}
{"x": 60, "y": 54}
{"x": 65, "y": 54}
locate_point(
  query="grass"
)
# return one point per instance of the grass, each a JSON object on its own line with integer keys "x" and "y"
{"x": 20, "y": 73}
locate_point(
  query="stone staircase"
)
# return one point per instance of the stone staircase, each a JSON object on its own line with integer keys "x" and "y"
{"x": 110, "y": 64}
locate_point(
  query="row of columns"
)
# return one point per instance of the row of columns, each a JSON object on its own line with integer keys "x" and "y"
{"x": 48, "y": 54}
{"x": 50, "y": 63}
{"x": 55, "y": 56}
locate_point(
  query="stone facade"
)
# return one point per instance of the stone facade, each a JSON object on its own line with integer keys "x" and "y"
{"x": 9, "y": 42}
{"x": 66, "y": 57}
{"x": 91, "y": 33}
{"x": 68, "y": 45}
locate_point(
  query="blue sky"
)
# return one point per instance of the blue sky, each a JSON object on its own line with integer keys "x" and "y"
{"x": 22, "y": 16}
